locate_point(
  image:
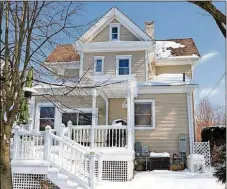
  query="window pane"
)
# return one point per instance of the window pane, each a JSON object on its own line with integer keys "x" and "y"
{"x": 144, "y": 120}
{"x": 114, "y": 29}
{"x": 123, "y": 71}
{"x": 85, "y": 119}
{"x": 47, "y": 112}
{"x": 69, "y": 116}
{"x": 98, "y": 65}
{"x": 71, "y": 73}
{"x": 124, "y": 63}
{"x": 142, "y": 108}
{"x": 45, "y": 122}
{"x": 114, "y": 36}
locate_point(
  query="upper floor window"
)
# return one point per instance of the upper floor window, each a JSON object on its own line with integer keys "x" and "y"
{"x": 123, "y": 65}
{"x": 114, "y": 32}
{"x": 98, "y": 64}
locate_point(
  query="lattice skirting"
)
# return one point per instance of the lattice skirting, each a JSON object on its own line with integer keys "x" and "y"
{"x": 32, "y": 181}
{"x": 115, "y": 171}
{"x": 203, "y": 148}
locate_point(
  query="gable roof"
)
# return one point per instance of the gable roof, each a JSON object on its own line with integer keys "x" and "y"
{"x": 171, "y": 48}
{"x": 107, "y": 18}
{"x": 63, "y": 53}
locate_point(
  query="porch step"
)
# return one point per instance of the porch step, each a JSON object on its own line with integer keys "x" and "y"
{"x": 60, "y": 180}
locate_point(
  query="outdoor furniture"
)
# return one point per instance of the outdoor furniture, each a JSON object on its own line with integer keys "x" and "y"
{"x": 159, "y": 161}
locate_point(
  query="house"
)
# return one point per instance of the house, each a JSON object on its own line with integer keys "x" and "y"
{"x": 120, "y": 72}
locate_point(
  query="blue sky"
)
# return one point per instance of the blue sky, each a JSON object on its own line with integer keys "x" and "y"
{"x": 179, "y": 20}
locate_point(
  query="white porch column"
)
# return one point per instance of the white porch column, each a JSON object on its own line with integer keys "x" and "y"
{"x": 129, "y": 139}
{"x": 94, "y": 117}
{"x": 132, "y": 123}
{"x": 31, "y": 113}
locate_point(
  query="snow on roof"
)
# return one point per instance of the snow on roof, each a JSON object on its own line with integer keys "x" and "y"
{"x": 167, "y": 79}
{"x": 176, "y": 48}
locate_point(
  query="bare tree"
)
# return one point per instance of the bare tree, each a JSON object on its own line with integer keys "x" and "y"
{"x": 29, "y": 30}
{"x": 207, "y": 115}
{"x": 217, "y": 15}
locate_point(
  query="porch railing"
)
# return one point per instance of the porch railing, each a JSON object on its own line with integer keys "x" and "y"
{"x": 105, "y": 136}
{"x": 45, "y": 145}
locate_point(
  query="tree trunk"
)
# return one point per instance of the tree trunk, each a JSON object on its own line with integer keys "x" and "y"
{"x": 5, "y": 163}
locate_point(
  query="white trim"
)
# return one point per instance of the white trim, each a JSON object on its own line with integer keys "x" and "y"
{"x": 114, "y": 46}
{"x": 113, "y": 25}
{"x": 62, "y": 63}
{"x": 177, "y": 61}
{"x": 190, "y": 122}
{"x": 114, "y": 13}
{"x": 152, "y": 101}
{"x": 146, "y": 66}
{"x": 37, "y": 113}
{"x": 81, "y": 64}
{"x": 95, "y": 64}
{"x": 118, "y": 57}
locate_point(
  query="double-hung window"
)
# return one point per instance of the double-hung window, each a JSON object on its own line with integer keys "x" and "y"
{"x": 98, "y": 65}
{"x": 47, "y": 117}
{"x": 114, "y": 32}
{"x": 123, "y": 65}
{"x": 144, "y": 114}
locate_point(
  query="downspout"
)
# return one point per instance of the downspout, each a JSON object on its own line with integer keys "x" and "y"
{"x": 190, "y": 122}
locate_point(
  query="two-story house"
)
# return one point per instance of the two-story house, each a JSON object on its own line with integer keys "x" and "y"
{"x": 121, "y": 72}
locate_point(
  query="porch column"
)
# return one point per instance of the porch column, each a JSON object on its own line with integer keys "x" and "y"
{"x": 94, "y": 117}
{"x": 132, "y": 123}
{"x": 129, "y": 139}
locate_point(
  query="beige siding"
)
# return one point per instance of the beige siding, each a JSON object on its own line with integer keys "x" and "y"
{"x": 171, "y": 121}
{"x": 125, "y": 34}
{"x": 137, "y": 63}
{"x": 78, "y": 102}
{"x": 174, "y": 69}
{"x": 115, "y": 109}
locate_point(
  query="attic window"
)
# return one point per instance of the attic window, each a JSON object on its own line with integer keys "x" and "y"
{"x": 114, "y": 32}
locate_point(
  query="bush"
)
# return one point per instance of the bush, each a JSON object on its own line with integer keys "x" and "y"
{"x": 217, "y": 138}
{"x": 220, "y": 170}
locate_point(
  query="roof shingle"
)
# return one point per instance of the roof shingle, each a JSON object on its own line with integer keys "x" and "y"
{"x": 63, "y": 53}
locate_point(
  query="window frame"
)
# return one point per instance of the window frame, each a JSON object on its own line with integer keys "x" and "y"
{"x": 37, "y": 115}
{"x": 78, "y": 110}
{"x": 114, "y": 25}
{"x": 148, "y": 101}
{"x": 120, "y": 57}
{"x": 95, "y": 64}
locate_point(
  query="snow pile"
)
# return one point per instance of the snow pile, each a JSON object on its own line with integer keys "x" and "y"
{"x": 196, "y": 157}
{"x": 164, "y": 154}
{"x": 167, "y": 79}
{"x": 162, "y": 50}
{"x": 162, "y": 179}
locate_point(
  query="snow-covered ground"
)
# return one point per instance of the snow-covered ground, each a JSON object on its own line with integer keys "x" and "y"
{"x": 166, "y": 180}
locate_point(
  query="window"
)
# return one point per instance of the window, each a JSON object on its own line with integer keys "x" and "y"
{"x": 123, "y": 65}
{"x": 145, "y": 113}
{"x": 71, "y": 74}
{"x": 77, "y": 118}
{"x": 99, "y": 61}
{"x": 47, "y": 116}
{"x": 114, "y": 32}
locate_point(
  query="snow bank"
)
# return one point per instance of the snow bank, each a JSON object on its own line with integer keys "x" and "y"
{"x": 164, "y": 154}
{"x": 162, "y": 50}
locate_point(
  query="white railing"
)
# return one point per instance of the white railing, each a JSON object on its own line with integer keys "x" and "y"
{"x": 28, "y": 145}
{"x": 104, "y": 136}
{"x": 59, "y": 151}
